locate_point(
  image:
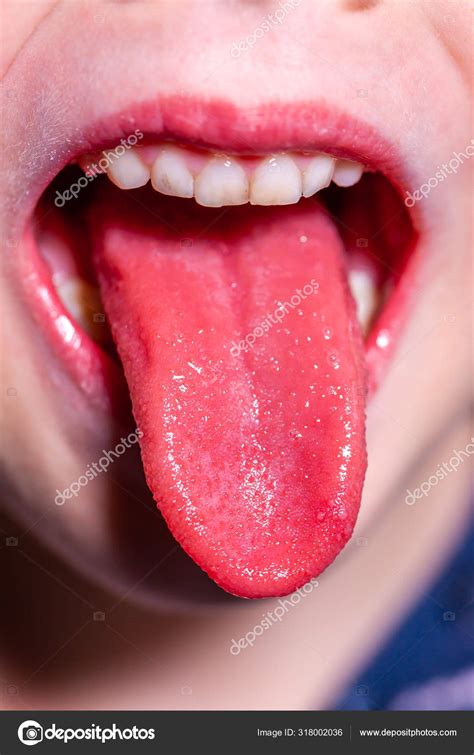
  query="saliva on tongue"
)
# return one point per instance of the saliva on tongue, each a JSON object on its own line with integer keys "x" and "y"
{"x": 244, "y": 360}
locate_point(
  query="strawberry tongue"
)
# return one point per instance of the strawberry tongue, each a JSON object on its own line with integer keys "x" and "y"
{"x": 244, "y": 360}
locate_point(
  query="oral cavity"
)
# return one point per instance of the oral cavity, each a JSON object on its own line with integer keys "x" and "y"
{"x": 255, "y": 453}
{"x": 217, "y": 180}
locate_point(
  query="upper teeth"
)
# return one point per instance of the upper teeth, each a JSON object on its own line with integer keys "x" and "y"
{"x": 128, "y": 171}
{"x": 221, "y": 182}
{"x": 277, "y": 180}
{"x": 318, "y": 174}
{"x": 347, "y": 173}
{"x": 218, "y": 180}
{"x": 169, "y": 174}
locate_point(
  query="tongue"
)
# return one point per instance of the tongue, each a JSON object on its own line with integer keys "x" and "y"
{"x": 243, "y": 357}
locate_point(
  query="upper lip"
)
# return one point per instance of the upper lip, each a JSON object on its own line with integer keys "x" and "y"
{"x": 222, "y": 126}
{"x": 90, "y": 94}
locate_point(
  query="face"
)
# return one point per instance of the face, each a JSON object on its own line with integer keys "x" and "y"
{"x": 379, "y": 92}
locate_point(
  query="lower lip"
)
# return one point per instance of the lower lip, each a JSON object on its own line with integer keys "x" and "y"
{"x": 98, "y": 376}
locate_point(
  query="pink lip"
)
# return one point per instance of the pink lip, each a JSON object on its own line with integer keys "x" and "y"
{"x": 97, "y": 375}
{"x": 221, "y": 126}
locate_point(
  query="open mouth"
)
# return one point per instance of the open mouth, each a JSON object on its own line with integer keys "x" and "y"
{"x": 246, "y": 297}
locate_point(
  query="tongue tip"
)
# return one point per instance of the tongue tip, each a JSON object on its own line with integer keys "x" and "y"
{"x": 258, "y": 575}
{"x": 260, "y": 588}
{"x": 271, "y": 584}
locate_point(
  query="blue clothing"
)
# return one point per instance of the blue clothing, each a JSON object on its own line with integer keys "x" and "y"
{"x": 429, "y": 662}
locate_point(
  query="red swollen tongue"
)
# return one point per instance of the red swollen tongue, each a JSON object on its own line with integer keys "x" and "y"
{"x": 245, "y": 367}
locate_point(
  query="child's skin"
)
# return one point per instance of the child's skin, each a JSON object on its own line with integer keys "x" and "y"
{"x": 62, "y": 64}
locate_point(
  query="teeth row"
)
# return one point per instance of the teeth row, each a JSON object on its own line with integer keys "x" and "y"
{"x": 218, "y": 180}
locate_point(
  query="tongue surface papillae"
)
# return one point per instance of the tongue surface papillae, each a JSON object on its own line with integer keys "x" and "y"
{"x": 244, "y": 362}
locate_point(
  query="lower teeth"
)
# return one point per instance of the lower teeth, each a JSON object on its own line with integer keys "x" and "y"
{"x": 82, "y": 301}
{"x": 364, "y": 291}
